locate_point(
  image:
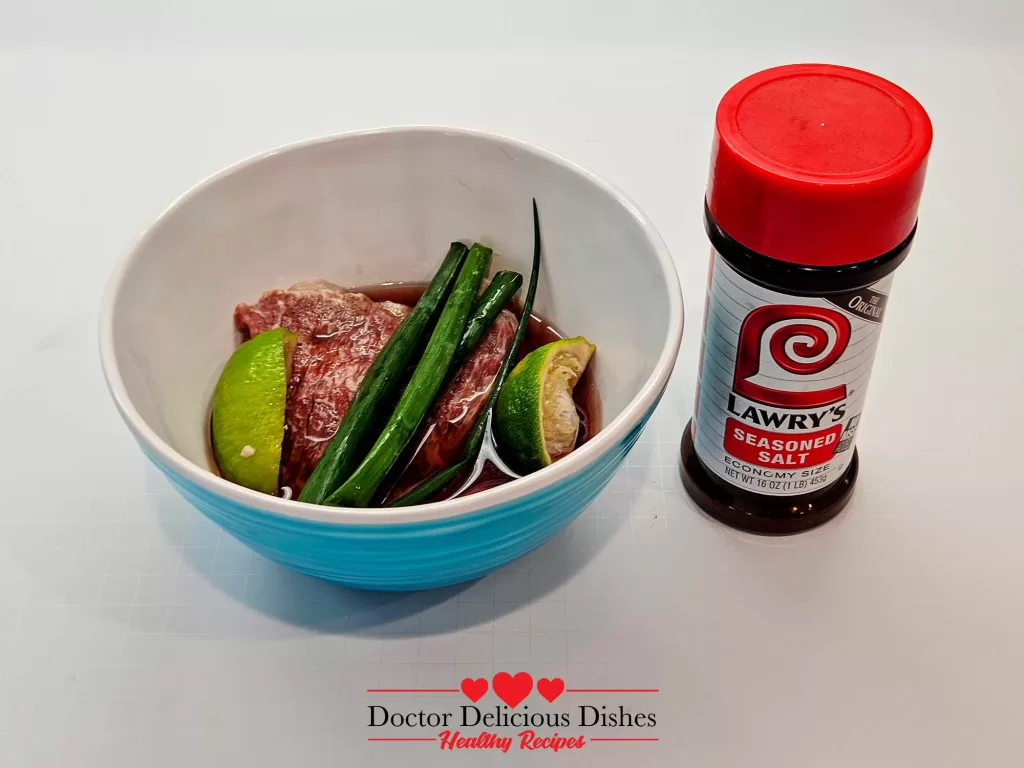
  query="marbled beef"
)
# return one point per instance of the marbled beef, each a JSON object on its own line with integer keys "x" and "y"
{"x": 340, "y": 333}
{"x": 448, "y": 425}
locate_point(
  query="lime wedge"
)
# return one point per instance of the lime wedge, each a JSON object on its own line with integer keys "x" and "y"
{"x": 535, "y": 419}
{"x": 247, "y": 426}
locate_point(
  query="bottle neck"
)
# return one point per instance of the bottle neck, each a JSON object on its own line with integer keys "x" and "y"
{"x": 799, "y": 279}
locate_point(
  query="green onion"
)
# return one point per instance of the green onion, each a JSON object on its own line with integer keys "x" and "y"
{"x": 380, "y": 383}
{"x": 432, "y": 485}
{"x": 503, "y": 286}
{"x": 426, "y": 381}
{"x": 436, "y": 482}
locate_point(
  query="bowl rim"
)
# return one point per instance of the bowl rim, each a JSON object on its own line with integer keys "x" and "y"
{"x": 604, "y": 441}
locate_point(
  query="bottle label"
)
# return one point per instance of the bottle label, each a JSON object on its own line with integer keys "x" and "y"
{"x": 782, "y": 382}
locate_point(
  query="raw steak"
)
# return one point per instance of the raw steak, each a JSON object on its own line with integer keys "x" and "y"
{"x": 451, "y": 420}
{"x": 340, "y": 333}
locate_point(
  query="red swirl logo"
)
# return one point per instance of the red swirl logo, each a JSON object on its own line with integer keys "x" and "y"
{"x": 800, "y": 343}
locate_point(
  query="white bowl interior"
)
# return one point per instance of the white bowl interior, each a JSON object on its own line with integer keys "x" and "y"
{"x": 372, "y": 208}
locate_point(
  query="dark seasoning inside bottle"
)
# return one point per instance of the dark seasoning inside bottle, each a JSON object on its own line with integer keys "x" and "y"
{"x": 539, "y": 333}
{"x": 812, "y": 203}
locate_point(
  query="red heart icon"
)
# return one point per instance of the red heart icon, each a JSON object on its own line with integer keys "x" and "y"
{"x": 512, "y": 690}
{"x": 550, "y": 689}
{"x": 474, "y": 689}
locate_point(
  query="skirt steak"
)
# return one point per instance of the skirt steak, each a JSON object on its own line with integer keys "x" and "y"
{"x": 339, "y": 334}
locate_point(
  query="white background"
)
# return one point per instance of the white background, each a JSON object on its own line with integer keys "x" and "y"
{"x": 133, "y": 633}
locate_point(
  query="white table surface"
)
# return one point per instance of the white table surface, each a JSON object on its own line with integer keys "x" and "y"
{"x": 134, "y": 633}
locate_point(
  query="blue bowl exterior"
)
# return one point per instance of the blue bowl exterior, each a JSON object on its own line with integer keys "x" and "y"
{"x": 407, "y": 556}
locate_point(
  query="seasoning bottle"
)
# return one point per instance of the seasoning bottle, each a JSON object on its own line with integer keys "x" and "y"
{"x": 816, "y": 174}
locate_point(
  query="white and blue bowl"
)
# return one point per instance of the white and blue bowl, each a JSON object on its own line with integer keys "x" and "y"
{"x": 368, "y": 208}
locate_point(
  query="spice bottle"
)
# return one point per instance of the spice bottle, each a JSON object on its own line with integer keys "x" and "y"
{"x": 816, "y": 174}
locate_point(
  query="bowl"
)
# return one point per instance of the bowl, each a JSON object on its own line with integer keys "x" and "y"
{"x": 367, "y": 208}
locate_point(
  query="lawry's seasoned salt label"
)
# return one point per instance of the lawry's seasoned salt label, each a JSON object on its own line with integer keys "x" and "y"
{"x": 811, "y": 205}
{"x": 782, "y": 382}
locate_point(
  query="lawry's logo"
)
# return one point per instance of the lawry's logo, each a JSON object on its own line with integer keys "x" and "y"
{"x": 793, "y": 341}
{"x": 510, "y": 723}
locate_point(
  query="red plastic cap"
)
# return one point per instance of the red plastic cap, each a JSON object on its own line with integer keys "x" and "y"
{"x": 819, "y": 165}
